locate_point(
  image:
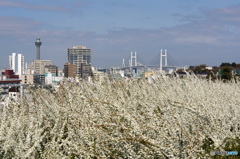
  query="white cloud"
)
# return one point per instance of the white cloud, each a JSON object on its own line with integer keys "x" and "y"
{"x": 200, "y": 39}
{"x": 55, "y": 8}
{"x": 13, "y": 26}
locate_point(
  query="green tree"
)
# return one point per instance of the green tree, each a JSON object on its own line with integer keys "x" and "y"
{"x": 226, "y": 72}
{"x": 199, "y": 69}
{"x": 225, "y": 64}
{"x": 234, "y": 64}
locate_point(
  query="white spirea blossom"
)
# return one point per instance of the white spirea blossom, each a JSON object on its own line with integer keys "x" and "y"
{"x": 164, "y": 118}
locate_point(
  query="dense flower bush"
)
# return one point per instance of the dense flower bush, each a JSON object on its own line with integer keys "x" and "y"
{"x": 164, "y": 118}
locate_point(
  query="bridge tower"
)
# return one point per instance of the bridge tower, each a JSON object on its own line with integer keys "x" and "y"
{"x": 133, "y": 57}
{"x": 123, "y": 63}
{"x": 161, "y": 59}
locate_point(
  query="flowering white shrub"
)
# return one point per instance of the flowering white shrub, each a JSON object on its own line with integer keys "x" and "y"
{"x": 167, "y": 118}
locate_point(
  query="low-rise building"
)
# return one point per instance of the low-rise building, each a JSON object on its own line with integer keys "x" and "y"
{"x": 52, "y": 69}
{"x": 10, "y": 84}
{"x": 39, "y": 79}
{"x": 61, "y": 73}
{"x": 28, "y": 78}
{"x": 97, "y": 75}
{"x": 51, "y": 78}
{"x": 39, "y": 66}
{"x": 86, "y": 71}
{"x": 70, "y": 70}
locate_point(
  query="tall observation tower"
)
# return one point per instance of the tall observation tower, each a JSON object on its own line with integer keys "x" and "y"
{"x": 38, "y": 43}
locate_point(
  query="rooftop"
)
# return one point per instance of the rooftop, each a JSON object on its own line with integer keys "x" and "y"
{"x": 79, "y": 47}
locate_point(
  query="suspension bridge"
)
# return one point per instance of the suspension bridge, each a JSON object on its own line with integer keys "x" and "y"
{"x": 135, "y": 65}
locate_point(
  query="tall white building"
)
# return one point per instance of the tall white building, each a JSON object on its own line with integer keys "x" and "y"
{"x": 17, "y": 61}
{"x": 12, "y": 62}
{"x": 20, "y": 64}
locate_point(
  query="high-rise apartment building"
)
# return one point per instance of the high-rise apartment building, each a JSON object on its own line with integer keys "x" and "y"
{"x": 20, "y": 64}
{"x": 12, "y": 62}
{"x": 78, "y": 55}
{"x": 16, "y": 60}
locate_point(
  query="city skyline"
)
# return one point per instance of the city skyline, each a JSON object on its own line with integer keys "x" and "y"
{"x": 193, "y": 32}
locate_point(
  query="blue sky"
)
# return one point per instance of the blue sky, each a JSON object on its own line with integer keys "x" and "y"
{"x": 194, "y": 32}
